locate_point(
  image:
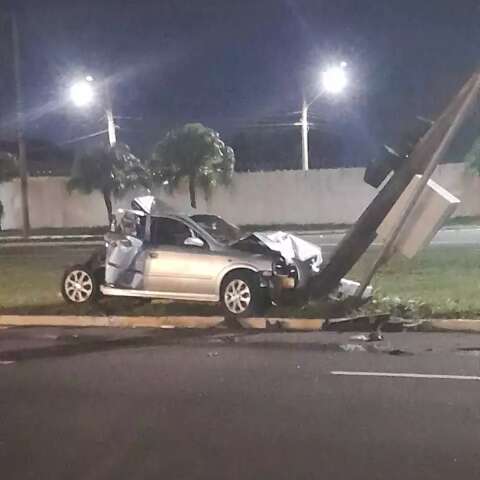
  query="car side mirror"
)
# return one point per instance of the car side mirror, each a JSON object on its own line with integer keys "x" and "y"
{"x": 194, "y": 242}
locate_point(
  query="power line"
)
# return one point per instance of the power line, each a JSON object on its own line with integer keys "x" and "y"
{"x": 84, "y": 137}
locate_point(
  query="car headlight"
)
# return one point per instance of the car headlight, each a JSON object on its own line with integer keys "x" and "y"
{"x": 315, "y": 263}
{"x": 279, "y": 266}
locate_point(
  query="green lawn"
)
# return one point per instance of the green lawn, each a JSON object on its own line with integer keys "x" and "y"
{"x": 440, "y": 282}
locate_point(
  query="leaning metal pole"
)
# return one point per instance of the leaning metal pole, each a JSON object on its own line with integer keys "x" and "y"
{"x": 363, "y": 232}
{"x": 387, "y": 248}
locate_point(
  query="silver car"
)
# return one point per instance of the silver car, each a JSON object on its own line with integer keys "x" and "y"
{"x": 152, "y": 252}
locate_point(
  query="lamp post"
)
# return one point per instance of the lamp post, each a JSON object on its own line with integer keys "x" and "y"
{"x": 333, "y": 82}
{"x": 83, "y": 94}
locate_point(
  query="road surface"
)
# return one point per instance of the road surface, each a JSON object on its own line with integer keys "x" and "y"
{"x": 282, "y": 406}
{"x": 455, "y": 237}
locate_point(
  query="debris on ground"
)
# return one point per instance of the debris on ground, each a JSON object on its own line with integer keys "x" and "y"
{"x": 352, "y": 347}
{"x": 371, "y": 337}
{"x": 399, "y": 352}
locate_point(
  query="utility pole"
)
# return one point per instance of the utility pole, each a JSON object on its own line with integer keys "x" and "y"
{"x": 112, "y": 134}
{"x": 427, "y": 153}
{"x": 334, "y": 81}
{"x": 22, "y": 149}
{"x": 304, "y": 125}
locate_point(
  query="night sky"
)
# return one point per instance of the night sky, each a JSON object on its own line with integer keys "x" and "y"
{"x": 232, "y": 63}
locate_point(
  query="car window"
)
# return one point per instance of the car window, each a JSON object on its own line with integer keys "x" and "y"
{"x": 167, "y": 231}
{"x": 218, "y": 228}
{"x": 132, "y": 225}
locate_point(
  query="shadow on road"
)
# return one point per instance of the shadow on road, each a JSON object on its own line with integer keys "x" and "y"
{"x": 213, "y": 338}
{"x": 81, "y": 344}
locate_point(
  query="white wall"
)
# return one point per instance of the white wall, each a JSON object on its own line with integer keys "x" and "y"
{"x": 280, "y": 197}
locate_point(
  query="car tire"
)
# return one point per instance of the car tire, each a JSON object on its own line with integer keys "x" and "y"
{"x": 241, "y": 295}
{"x": 80, "y": 285}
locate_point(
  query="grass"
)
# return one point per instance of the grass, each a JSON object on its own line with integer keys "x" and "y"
{"x": 463, "y": 221}
{"x": 440, "y": 282}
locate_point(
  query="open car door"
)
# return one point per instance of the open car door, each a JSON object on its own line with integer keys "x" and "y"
{"x": 125, "y": 256}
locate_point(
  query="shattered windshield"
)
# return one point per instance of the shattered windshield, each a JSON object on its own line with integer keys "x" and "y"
{"x": 218, "y": 228}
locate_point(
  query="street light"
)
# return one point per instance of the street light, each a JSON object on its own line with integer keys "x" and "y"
{"x": 333, "y": 82}
{"x": 83, "y": 93}
{"x": 334, "y": 79}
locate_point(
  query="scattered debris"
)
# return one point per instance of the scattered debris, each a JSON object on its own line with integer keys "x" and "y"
{"x": 374, "y": 337}
{"x": 360, "y": 338}
{"x": 352, "y": 347}
{"x": 399, "y": 352}
{"x": 371, "y": 337}
{"x": 473, "y": 351}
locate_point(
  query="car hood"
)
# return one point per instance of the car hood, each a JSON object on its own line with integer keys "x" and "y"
{"x": 290, "y": 247}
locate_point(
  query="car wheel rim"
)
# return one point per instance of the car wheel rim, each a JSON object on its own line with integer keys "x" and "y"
{"x": 78, "y": 286}
{"x": 237, "y": 296}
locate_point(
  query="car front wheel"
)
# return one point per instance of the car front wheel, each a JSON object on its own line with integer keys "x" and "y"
{"x": 79, "y": 285}
{"x": 240, "y": 295}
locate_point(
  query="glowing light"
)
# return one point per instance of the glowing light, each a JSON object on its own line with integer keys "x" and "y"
{"x": 82, "y": 93}
{"x": 334, "y": 79}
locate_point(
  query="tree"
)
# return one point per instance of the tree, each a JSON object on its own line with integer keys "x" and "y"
{"x": 195, "y": 153}
{"x": 473, "y": 157}
{"x": 112, "y": 171}
{"x": 8, "y": 171}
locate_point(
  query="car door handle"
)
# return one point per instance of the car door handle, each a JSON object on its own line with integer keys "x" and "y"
{"x": 153, "y": 255}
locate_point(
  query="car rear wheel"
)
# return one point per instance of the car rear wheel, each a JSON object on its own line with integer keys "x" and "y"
{"x": 240, "y": 295}
{"x": 80, "y": 285}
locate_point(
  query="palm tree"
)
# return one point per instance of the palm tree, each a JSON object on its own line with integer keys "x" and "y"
{"x": 473, "y": 157}
{"x": 112, "y": 171}
{"x": 196, "y": 153}
{"x": 8, "y": 171}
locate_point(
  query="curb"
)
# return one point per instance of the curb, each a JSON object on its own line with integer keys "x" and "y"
{"x": 153, "y": 322}
{"x": 440, "y": 325}
{"x": 104, "y": 321}
{"x": 459, "y": 325}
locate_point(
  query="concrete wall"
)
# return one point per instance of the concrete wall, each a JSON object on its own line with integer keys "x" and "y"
{"x": 280, "y": 197}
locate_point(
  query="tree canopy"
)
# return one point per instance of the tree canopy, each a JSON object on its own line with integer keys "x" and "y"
{"x": 112, "y": 171}
{"x": 194, "y": 153}
{"x": 473, "y": 157}
{"x": 8, "y": 167}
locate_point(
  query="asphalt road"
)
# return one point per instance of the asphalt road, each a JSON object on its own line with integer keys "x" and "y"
{"x": 256, "y": 407}
{"x": 455, "y": 237}
{"x": 461, "y": 236}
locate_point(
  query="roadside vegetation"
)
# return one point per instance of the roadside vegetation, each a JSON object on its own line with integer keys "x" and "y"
{"x": 441, "y": 282}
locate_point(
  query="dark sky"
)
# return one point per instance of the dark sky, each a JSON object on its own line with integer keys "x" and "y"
{"x": 231, "y": 63}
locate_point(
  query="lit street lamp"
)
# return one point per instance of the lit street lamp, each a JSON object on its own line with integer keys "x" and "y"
{"x": 333, "y": 82}
{"x": 83, "y": 93}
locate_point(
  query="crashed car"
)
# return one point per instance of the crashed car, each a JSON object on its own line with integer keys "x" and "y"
{"x": 155, "y": 252}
